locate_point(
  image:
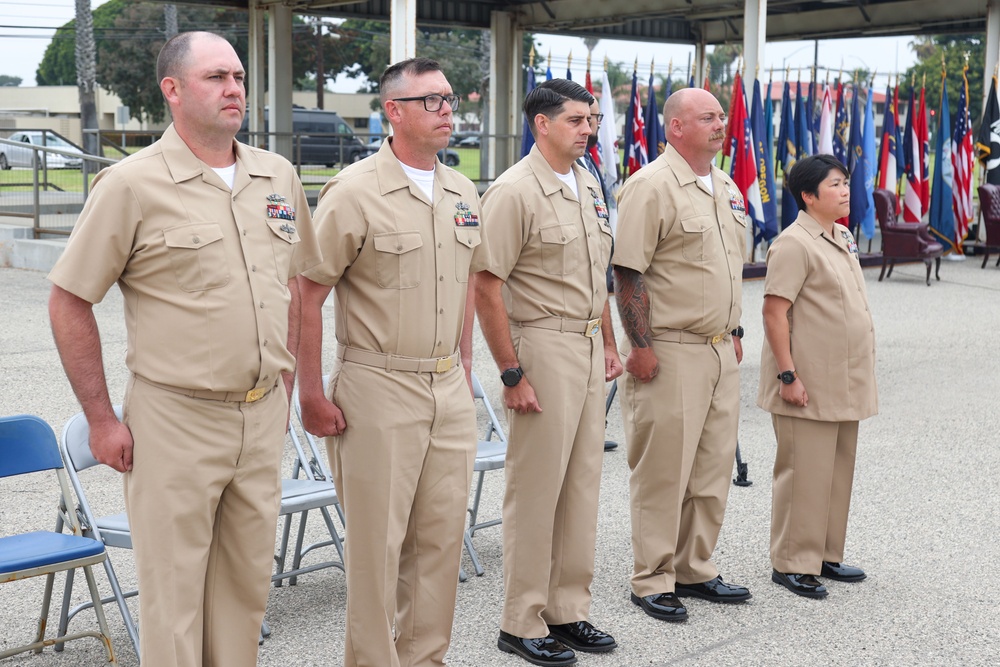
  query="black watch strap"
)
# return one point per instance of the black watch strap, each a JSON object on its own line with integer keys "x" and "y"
{"x": 737, "y": 332}
{"x": 511, "y": 376}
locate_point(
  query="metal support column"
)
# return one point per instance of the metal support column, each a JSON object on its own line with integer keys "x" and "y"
{"x": 279, "y": 79}
{"x": 256, "y": 53}
{"x": 505, "y": 97}
{"x": 403, "y": 30}
{"x": 992, "y": 45}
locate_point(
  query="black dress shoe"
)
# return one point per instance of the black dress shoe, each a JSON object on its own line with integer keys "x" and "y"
{"x": 583, "y": 636}
{"x": 841, "y": 572}
{"x": 546, "y": 651}
{"x": 664, "y": 606}
{"x": 714, "y": 590}
{"x": 805, "y": 585}
{"x": 610, "y": 445}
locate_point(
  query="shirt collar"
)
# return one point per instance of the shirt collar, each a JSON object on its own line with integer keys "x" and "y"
{"x": 391, "y": 176}
{"x": 546, "y": 175}
{"x": 184, "y": 165}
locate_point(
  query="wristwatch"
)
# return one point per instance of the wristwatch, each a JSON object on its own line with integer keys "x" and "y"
{"x": 511, "y": 376}
{"x": 788, "y": 377}
{"x": 737, "y": 332}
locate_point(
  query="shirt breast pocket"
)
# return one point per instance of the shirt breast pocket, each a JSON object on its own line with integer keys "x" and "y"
{"x": 468, "y": 238}
{"x": 560, "y": 249}
{"x": 283, "y": 239}
{"x": 397, "y": 259}
{"x": 697, "y": 240}
{"x": 198, "y": 255}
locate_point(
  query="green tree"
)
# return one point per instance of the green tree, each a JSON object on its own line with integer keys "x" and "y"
{"x": 129, "y": 36}
{"x": 9, "y": 81}
{"x": 954, "y": 49}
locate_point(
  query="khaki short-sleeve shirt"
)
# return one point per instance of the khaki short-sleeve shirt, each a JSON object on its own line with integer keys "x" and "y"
{"x": 832, "y": 333}
{"x": 688, "y": 243}
{"x": 400, "y": 265}
{"x": 550, "y": 247}
{"x": 203, "y": 269}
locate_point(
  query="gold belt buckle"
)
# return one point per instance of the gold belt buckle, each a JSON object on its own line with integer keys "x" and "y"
{"x": 593, "y": 328}
{"x": 255, "y": 394}
{"x": 444, "y": 364}
{"x": 718, "y": 337}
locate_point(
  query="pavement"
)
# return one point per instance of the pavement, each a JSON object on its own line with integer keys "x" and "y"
{"x": 924, "y": 519}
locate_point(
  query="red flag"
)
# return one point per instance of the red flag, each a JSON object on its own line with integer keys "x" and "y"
{"x": 636, "y": 154}
{"x": 595, "y": 154}
{"x": 727, "y": 143}
{"x": 962, "y": 162}
{"x": 920, "y": 129}
{"x": 706, "y": 84}
{"x": 744, "y": 165}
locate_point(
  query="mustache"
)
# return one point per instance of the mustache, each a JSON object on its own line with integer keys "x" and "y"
{"x": 717, "y": 135}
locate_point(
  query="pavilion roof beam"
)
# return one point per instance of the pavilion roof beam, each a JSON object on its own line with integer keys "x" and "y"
{"x": 885, "y": 18}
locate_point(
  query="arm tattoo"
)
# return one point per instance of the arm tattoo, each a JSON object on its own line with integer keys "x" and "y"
{"x": 633, "y": 306}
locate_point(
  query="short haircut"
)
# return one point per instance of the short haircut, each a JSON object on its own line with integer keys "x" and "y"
{"x": 393, "y": 75}
{"x": 174, "y": 54}
{"x": 550, "y": 97}
{"x": 807, "y": 174}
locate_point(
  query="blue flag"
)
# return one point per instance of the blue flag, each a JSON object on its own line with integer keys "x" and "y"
{"x": 691, "y": 82}
{"x": 569, "y": 75}
{"x": 942, "y": 217}
{"x": 841, "y": 128}
{"x": 769, "y": 124}
{"x": 868, "y": 158}
{"x": 803, "y": 132}
{"x": 854, "y": 149}
{"x": 765, "y": 169}
{"x": 548, "y": 73}
{"x": 786, "y": 158}
{"x": 656, "y": 138}
{"x": 863, "y": 172}
{"x": 811, "y": 119}
{"x": 527, "y": 139}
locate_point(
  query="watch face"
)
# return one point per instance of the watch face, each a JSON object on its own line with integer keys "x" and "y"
{"x": 788, "y": 377}
{"x": 511, "y": 377}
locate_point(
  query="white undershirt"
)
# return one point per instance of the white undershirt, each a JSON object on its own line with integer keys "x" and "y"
{"x": 227, "y": 174}
{"x": 424, "y": 179}
{"x": 570, "y": 180}
{"x": 707, "y": 180}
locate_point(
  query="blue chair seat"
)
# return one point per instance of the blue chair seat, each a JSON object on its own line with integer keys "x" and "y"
{"x": 41, "y": 548}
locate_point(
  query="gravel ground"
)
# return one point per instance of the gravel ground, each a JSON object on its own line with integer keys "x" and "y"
{"x": 923, "y": 522}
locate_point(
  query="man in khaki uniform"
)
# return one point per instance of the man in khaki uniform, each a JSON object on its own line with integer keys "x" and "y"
{"x": 543, "y": 308}
{"x": 817, "y": 378}
{"x": 401, "y": 235}
{"x": 678, "y": 280}
{"x": 204, "y": 237}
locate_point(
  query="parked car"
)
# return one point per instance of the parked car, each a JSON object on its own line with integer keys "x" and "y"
{"x": 446, "y": 155}
{"x": 17, "y": 156}
{"x": 471, "y": 141}
{"x": 323, "y": 137}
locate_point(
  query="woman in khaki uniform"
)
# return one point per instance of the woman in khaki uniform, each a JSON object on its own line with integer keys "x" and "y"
{"x": 817, "y": 378}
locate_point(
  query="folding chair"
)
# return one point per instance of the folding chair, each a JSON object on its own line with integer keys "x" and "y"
{"x": 299, "y": 496}
{"x": 490, "y": 455}
{"x": 28, "y": 445}
{"x": 112, "y": 530}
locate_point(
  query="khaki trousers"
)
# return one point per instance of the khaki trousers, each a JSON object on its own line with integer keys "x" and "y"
{"x": 680, "y": 430}
{"x": 553, "y": 472}
{"x": 811, "y": 492}
{"x": 402, "y": 469}
{"x": 202, "y": 501}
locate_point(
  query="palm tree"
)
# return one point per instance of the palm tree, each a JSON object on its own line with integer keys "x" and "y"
{"x": 86, "y": 73}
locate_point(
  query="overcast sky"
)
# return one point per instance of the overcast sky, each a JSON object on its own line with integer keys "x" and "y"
{"x": 27, "y": 26}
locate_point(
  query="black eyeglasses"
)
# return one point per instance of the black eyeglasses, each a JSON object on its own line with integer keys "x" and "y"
{"x": 597, "y": 117}
{"x": 433, "y": 102}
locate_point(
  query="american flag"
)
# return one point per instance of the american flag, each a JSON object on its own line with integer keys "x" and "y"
{"x": 913, "y": 162}
{"x": 962, "y": 161}
{"x": 841, "y": 127}
{"x": 636, "y": 155}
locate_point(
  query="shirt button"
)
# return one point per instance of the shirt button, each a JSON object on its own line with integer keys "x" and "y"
{"x": 441, "y": 311}
{"x": 244, "y": 232}
{"x": 253, "y": 267}
{"x": 265, "y": 378}
{"x": 439, "y": 245}
{"x": 440, "y": 279}
{"x": 195, "y": 239}
{"x": 563, "y": 238}
{"x": 261, "y": 304}
{"x": 399, "y": 247}
{"x": 265, "y": 342}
